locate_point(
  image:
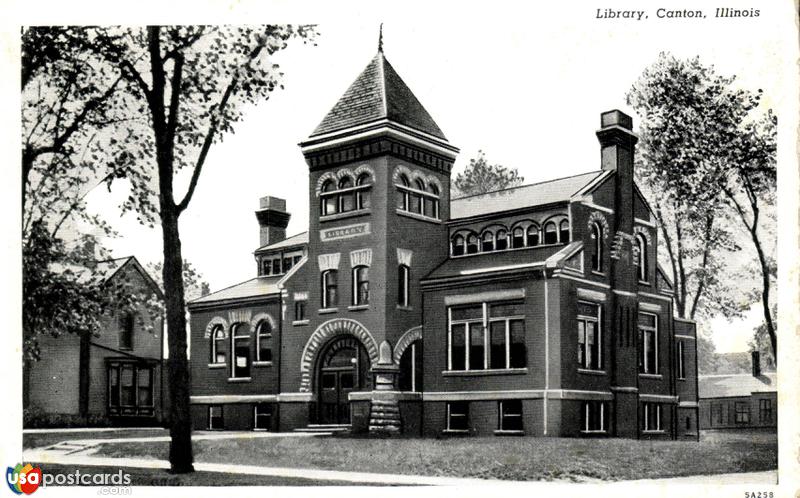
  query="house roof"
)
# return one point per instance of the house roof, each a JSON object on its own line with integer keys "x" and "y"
{"x": 561, "y": 189}
{"x": 105, "y": 270}
{"x": 729, "y": 385}
{"x": 495, "y": 262}
{"x": 294, "y": 240}
{"x": 256, "y": 287}
{"x": 378, "y": 93}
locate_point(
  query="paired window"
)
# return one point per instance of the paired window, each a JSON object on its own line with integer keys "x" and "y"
{"x": 589, "y": 336}
{"x": 360, "y": 285}
{"x": 525, "y": 234}
{"x": 278, "y": 265}
{"x": 403, "y": 281}
{"x": 299, "y": 311}
{"x": 458, "y": 416}
{"x": 652, "y": 417}
{"x": 487, "y": 336}
{"x": 595, "y": 417}
{"x": 742, "y": 412}
{"x": 648, "y": 341}
{"x": 262, "y": 417}
{"x": 264, "y": 341}
{"x": 218, "y": 345}
{"x": 681, "y": 367}
{"x": 126, "y": 326}
{"x": 597, "y": 246}
{"x": 130, "y": 389}
{"x": 240, "y": 348}
{"x": 641, "y": 244}
{"x": 330, "y": 295}
{"x": 345, "y": 196}
{"x": 765, "y": 410}
{"x": 510, "y": 415}
{"x": 215, "y": 420}
{"x": 418, "y": 198}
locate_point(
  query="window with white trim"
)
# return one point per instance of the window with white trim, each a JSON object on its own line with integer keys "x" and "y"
{"x": 264, "y": 341}
{"x": 501, "y": 240}
{"x": 765, "y": 410}
{"x": 215, "y": 420}
{"x": 360, "y": 285}
{"x": 403, "y": 282}
{"x": 648, "y": 343}
{"x": 458, "y": 416}
{"x": 330, "y": 295}
{"x": 240, "y": 347}
{"x": 595, "y": 416}
{"x": 679, "y": 357}
{"x": 652, "y": 417}
{"x": 510, "y": 415}
{"x": 487, "y": 336}
{"x": 262, "y": 417}
{"x": 218, "y": 345}
{"x": 418, "y": 198}
{"x": 590, "y": 337}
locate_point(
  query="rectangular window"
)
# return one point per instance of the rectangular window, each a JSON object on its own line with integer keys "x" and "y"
{"x": 360, "y": 286}
{"x": 648, "y": 343}
{"x": 113, "y": 386}
{"x": 589, "y": 336}
{"x": 126, "y": 324}
{"x": 296, "y": 259}
{"x": 457, "y": 415}
{"x": 594, "y": 416}
{"x": 402, "y": 285}
{"x": 287, "y": 264}
{"x": 487, "y": 336}
{"x": 680, "y": 359}
{"x": 144, "y": 382}
{"x": 510, "y": 415}
{"x": 299, "y": 310}
{"x": 276, "y": 266}
{"x": 742, "y": 409}
{"x": 765, "y": 410}
{"x": 127, "y": 396}
{"x": 716, "y": 414}
{"x": 330, "y": 296}
{"x": 215, "y": 421}
{"x": 266, "y": 267}
{"x": 241, "y": 351}
{"x": 652, "y": 417}
{"x": 262, "y": 417}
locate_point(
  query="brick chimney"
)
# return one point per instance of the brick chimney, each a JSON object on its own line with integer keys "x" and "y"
{"x": 756, "y": 357}
{"x": 617, "y": 143}
{"x": 272, "y": 220}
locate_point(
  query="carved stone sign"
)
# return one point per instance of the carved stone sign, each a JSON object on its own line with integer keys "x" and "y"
{"x": 345, "y": 232}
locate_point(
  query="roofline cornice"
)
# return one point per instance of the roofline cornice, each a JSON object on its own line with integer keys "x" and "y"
{"x": 499, "y": 214}
{"x": 225, "y": 303}
{"x": 376, "y": 128}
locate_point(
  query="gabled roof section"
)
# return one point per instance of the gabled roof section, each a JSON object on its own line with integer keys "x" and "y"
{"x": 378, "y": 93}
{"x": 294, "y": 240}
{"x": 253, "y": 288}
{"x": 535, "y": 194}
{"x": 104, "y": 271}
{"x": 720, "y": 386}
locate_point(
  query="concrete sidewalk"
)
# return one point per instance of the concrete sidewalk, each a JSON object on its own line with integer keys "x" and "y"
{"x": 766, "y": 477}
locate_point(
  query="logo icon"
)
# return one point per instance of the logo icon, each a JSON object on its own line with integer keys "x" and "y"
{"x": 23, "y": 478}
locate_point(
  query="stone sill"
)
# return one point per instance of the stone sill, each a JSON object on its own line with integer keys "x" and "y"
{"x": 358, "y": 307}
{"x": 325, "y": 311}
{"x": 455, "y": 432}
{"x": 588, "y": 371}
{"x": 501, "y": 432}
{"x": 404, "y": 308}
{"x": 262, "y": 363}
{"x": 650, "y": 376}
{"x": 479, "y": 253}
{"x": 239, "y": 379}
{"x": 495, "y": 371}
{"x": 595, "y": 432}
{"x": 660, "y": 431}
{"x": 298, "y": 323}
{"x": 217, "y": 365}
{"x": 344, "y": 215}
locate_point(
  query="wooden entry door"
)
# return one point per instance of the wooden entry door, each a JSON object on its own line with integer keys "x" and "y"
{"x": 342, "y": 370}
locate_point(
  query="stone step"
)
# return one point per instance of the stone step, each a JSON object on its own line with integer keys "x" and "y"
{"x": 393, "y": 413}
{"x": 383, "y": 422}
{"x": 387, "y": 416}
{"x": 384, "y": 429}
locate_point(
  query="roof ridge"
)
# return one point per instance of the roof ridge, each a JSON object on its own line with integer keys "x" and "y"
{"x": 526, "y": 185}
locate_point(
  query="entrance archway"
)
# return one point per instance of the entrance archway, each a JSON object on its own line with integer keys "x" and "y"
{"x": 343, "y": 367}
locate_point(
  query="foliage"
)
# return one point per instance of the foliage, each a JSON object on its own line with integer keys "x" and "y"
{"x": 693, "y": 123}
{"x": 36, "y": 418}
{"x": 480, "y": 177}
{"x": 194, "y": 285}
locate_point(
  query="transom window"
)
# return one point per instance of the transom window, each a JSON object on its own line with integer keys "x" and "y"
{"x": 652, "y": 417}
{"x": 360, "y": 285}
{"x": 417, "y": 197}
{"x": 264, "y": 341}
{"x": 510, "y": 418}
{"x": 487, "y": 336}
{"x": 589, "y": 336}
{"x": 345, "y": 196}
{"x": 648, "y": 342}
{"x": 218, "y": 345}
{"x": 458, "y": 416}
{"x": 240, "y": 346}
{"x": 594, "y": 416}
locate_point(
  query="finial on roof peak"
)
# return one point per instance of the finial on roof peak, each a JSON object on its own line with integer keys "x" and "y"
{"x": 380, "y": 39}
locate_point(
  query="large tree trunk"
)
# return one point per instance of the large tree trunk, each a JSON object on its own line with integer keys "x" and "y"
{"x": 180, "y": 449}
{"x": 765, "y": 294}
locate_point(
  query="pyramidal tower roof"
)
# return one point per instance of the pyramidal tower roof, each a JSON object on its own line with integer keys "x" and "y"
{"x": 378, "y": 93}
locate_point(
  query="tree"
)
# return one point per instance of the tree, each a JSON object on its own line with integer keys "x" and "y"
{"x": 691, "y": 120}
{"x": 194, "y": 285}
{"x": 183, "y": 88}
{"x": 480, "y": 177}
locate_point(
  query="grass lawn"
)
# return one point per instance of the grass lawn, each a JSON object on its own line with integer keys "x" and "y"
{"x": 157, "y": 477}
{"x": 524, "y": 458}
{"x": 43, "y": 439}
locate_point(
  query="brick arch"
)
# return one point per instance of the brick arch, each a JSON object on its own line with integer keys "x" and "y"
{"x": 644, "y": 232}
{"x": 217, "y": 320}
{"x": 262, "y": 316}
{"x": 329, "y": 175}
{"x": 410, "y": 335}
{"x": 598, "y": 218}
{"x": 401, "y": 170}
{"x": 323, "y": 335}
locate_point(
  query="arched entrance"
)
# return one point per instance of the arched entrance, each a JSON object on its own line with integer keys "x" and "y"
{"x": 343, "y": 367}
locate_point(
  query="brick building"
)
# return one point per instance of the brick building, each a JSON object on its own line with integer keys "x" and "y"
{"x": 536, "y": 310}
{"x": 115, "y": 375}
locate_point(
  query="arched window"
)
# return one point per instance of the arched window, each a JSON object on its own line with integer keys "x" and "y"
{"x": 329, "y": 204}
{"x": 563, "y": 232}
{"x": 240, "y": 347}
{"x": 346, "y": 199}
{"x": 218, "y": 345}
{"x": 360, "y": 285}
{"x": 330, "y": 296}
{"x": 472, "y": 243}
{"x": 487, "y": 241}
{"x": 533, "y": 235}
{"x": 641, "y": 243}
{"x": 403, "y": 276}
{"x": 432, "y": 202}
{"x": 458, "y": 245}
{"x": 364, "y": 183}
{"x": 597, "y": 247}
{"x": 417, "y": 204}
{"x": 501, "y": 240}
{"x": 550, "y": 233}
{"x": 410, "y": 378}
{"x": 518, "y": 238}
{"x": 402, "y": 193}
{"x": 264, "y": 341}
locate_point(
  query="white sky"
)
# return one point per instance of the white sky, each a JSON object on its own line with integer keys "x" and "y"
{"x": 526, "y": 87}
